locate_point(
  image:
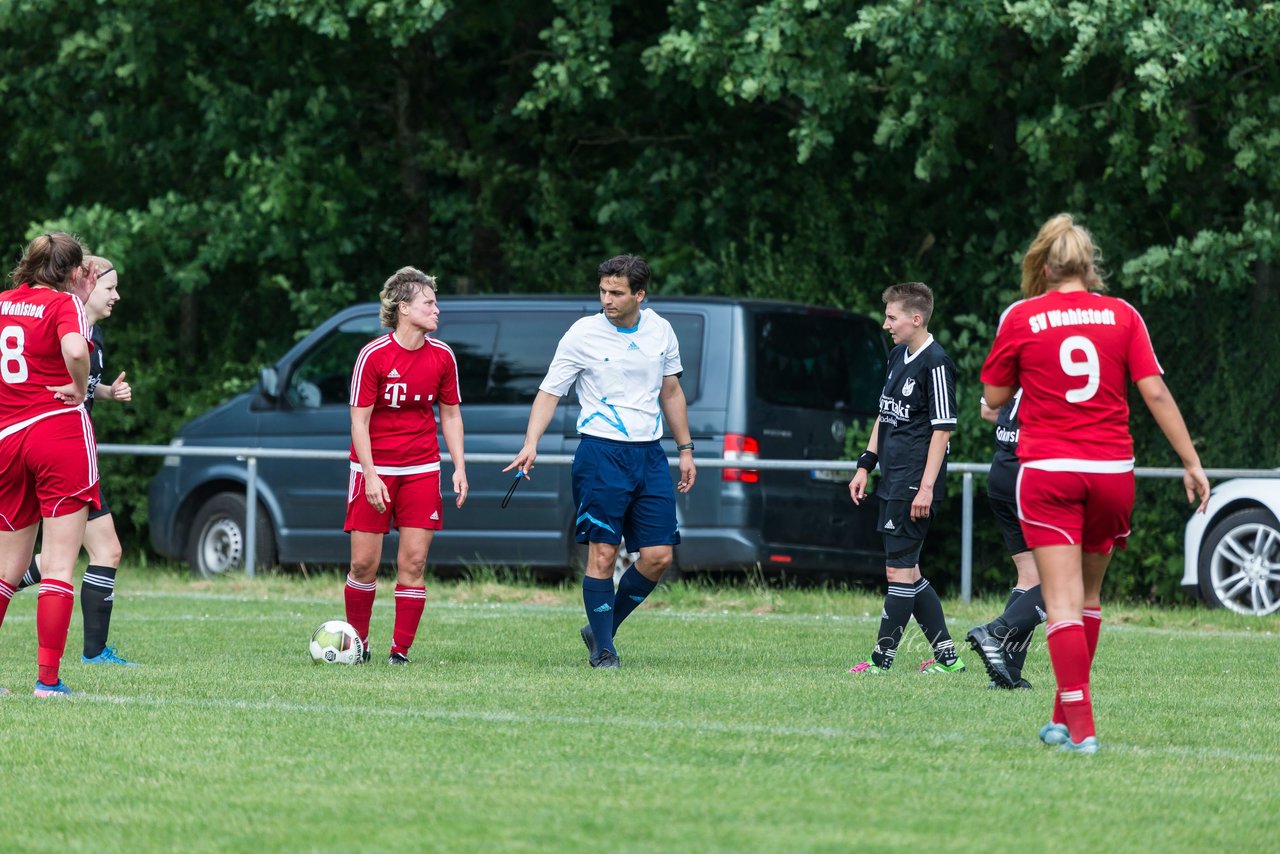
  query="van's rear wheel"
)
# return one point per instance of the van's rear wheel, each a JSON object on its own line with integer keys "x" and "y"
{"x": 217, "y": 542}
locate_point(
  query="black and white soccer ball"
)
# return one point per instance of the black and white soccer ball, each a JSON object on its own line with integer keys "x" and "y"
{"x": 336, "y": 642}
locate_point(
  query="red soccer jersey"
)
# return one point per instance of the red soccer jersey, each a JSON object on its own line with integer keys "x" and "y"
{"x": 1073, "y": 354}
{"x": 402, "y": 386}
{"x": 32, "y": 324}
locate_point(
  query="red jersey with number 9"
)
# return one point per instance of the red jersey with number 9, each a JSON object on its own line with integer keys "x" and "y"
{"x": 1073, "y": 355}
{"x": 32, "y": 323}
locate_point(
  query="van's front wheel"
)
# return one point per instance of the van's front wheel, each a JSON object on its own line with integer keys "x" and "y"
{"x": 217, "y": 542}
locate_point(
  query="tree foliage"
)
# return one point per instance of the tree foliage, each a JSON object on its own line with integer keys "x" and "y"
{"x": 252, "y": 165}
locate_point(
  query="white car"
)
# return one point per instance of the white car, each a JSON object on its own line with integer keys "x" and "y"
{"x": 1233, "y": 549}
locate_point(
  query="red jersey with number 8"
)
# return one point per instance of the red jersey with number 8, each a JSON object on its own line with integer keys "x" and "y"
{"x": 32, "y": 323}
{"x": 1073, "y": 355}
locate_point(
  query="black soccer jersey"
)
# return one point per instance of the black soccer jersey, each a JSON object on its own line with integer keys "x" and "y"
{"x": 919, "y": 398}
{"x": 96, "y": 363}
{"x": 1002, "y": 482}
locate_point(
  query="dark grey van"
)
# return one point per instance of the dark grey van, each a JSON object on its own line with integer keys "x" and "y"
{"x": 763, "y": 379}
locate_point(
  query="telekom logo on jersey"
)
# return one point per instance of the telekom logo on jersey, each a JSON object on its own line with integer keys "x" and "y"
{"x": 394, "y": 393}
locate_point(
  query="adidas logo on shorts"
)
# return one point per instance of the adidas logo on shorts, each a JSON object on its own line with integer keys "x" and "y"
{"x": 888, "y": 526}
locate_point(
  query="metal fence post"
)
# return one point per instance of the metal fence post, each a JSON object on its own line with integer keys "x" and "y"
{"x": 251, "y": 517}
{"x": 966, "y": 541}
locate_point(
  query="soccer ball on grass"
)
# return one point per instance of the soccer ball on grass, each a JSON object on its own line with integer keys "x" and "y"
{"x": 336, "y": 642}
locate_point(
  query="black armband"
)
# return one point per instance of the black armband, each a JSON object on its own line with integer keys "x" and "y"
{"x": 868, "y": 461}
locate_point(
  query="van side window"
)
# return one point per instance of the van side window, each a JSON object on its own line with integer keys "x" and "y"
{"x": 472, "y": 343}
{"x": 818, "y": 361}
{"x": 689, "y": 332}
{"x": 322, "y": 377}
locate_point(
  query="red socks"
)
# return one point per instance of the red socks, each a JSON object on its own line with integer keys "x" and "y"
{"x": 53, "y": 617}
{"x": 410, "y": 601}
{"x": 1069, "y": 652}
{"x": 1092, "y": 627}
{"x": 6, "y": 593}
{"x": 359, "y": 600}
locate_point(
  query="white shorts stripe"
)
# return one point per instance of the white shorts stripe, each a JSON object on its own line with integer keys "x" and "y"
{"x": 1082, "y": 466}
{"x": 423, "y": 468}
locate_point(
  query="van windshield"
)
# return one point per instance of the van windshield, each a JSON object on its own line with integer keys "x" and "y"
{"x": 818, "y": 361}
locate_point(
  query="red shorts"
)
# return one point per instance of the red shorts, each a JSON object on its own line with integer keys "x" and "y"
{"x": 415, "y": 503}
{"x": 48, "y": 469}
{"x": 1067, "y": 508}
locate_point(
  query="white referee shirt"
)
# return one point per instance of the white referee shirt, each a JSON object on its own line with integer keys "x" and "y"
{"x": 619, "y": 374}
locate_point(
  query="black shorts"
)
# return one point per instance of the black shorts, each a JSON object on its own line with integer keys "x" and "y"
{"x": 903, "y": 536}
{"x": 104, "y": 510}
{"x": 1006, "y": 513}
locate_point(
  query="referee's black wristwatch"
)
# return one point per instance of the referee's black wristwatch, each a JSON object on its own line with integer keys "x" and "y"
{"x": 687, "y": 446}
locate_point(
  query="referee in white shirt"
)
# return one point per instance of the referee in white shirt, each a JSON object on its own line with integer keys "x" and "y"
{"x": 626, "y": 362}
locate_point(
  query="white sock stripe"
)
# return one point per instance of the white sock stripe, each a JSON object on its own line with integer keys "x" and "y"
{"x": 412, "y": 593}
{"x": 1093, "y": 613}
{"x": 1053, "y": 627}
{"x": 351, "y": 582}
{"x": 1071, "y": 696}
{"x": 56, "y": 588}
{"x": 105, "y": 581}
{"x": 908, "y": 593}
{"x": 6, "y": 591}
{"x": 921, "y": 584}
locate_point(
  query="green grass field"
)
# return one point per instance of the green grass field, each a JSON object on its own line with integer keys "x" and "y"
{"x": 732, "y": 726}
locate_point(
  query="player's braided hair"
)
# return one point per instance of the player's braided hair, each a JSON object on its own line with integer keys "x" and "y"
{"x": 405, "y": 284}
{"x": 49, "y": 259}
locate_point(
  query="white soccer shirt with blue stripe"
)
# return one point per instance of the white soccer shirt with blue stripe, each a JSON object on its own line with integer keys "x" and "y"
{"x": 619, "y": 373}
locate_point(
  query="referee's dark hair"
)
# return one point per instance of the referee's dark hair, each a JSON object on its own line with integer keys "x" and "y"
{"x": 634, "y": 268}
{"x": 405, "y": 284}
{"x": 916, "y": 297}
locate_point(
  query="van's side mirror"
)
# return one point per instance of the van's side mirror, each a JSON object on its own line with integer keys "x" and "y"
{"x": 270, "y": 382}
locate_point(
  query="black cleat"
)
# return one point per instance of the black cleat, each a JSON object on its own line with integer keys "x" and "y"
{"x": 1023, "y": 685}
{"x": 364, "y": 659}
{"x": 605, "y": 659}
{"x": 397, "y": 658}
{"x": 989, "y": 647}
{"x": 589, "y": 638}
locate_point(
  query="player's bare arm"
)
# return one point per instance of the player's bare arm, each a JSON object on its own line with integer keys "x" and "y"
{"x": 540, "y": 413}
{"x": 858, "y": 485}
{"x": 997, "y": 396}
{"x": 451, "y": 428}
{"x": 118, "y": 390}
{"x": 1164, "y": 409}
{"x": 922, "y": 503}
{"x": 675, "y": 410}
{"x": 375, "y": 491}
{"x": 75, "y": 354}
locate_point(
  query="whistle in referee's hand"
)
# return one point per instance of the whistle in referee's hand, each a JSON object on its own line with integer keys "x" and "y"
{"x": 515, "y": 481}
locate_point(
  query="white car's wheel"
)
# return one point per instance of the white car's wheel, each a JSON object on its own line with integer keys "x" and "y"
{"x": 1240, "y": 563}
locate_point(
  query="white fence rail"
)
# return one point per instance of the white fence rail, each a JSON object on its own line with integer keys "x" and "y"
{"x": 966, "y": 470}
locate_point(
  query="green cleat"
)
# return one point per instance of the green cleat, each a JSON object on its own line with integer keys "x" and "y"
{"x": 933, "y": 666}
